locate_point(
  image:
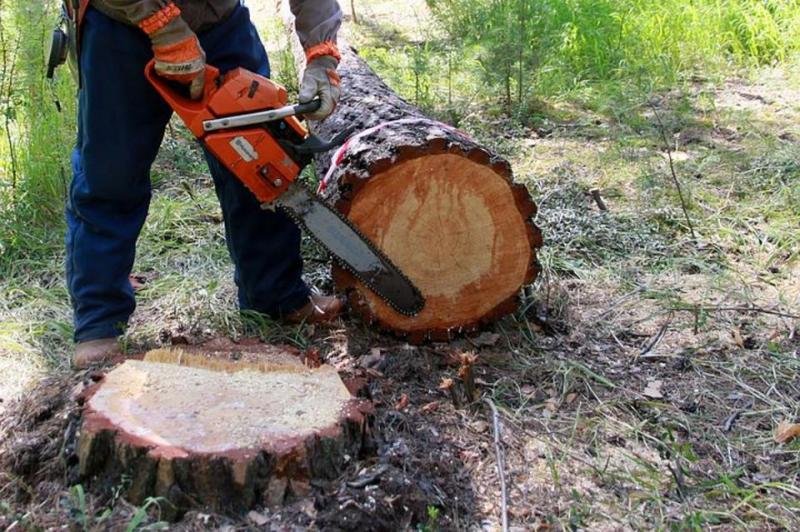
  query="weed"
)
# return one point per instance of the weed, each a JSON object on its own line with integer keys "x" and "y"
{"x": 431, "y": 525}
{"x": 142, "y": 514}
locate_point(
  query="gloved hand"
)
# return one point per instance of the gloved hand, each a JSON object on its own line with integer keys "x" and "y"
{"x": 184, "y": 62}
{"x": 320, "y": 79}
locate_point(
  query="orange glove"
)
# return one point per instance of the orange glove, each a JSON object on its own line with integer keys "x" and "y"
{"x": 184, "y": 62}
{"x": 176, "y": 49}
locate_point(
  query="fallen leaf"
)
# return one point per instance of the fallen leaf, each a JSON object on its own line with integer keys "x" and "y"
{"x": 737, "y": 338}
{"x": 138, "y": 282}
{"x": 368, "y": 476}
{"x": 433, "y": 406}
{"x": 356, "y": 385}
{"x": 786, "y": 432}
{"x": 479, "y": 426}
{"x": 300, "y": 488}
{"x": 468, "y": 359}
{"x": 571, "y": 398}
{"x": 307, "y": 507}
{"x": 551, "y": 405}
{"x": 653, "y": 390}
{"x": 402, "y": 403}
{"x": 257, "y": 518}
{"x": 313, "y": 358}
{"x": 372, "y": 372}
{"x": 446, "y": 384}
{"x": 486, "y": 339}
{"x": 468, "y": 455}
{"x": 373, "y": 360}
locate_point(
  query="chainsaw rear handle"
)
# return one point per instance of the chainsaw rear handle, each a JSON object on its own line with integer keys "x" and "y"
{"x": 171, "y": 92}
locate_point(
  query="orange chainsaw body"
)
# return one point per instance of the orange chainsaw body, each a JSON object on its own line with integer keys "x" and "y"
{"x": 252, "y": 153}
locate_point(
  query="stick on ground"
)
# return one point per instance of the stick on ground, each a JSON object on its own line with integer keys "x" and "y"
{"x": 501, "y": 464}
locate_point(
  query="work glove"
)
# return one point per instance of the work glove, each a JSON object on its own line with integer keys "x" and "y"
{"x": 184, "y": 62}
{"x": 320, "y": 79}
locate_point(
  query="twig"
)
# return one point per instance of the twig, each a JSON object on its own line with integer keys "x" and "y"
{"x": 731, "y": 420}
{"x": 598, "y": 199}
{"x": 658, "y": 337}
{"x": 758, "y": 310}
{"x": 677, "y": 474}
{"x": 467, "y": 376}
{"x": 672, "y": 171}
{"x": 619, "y": 301}
{"x": 448, "y": 385}
{"x": 498, "y": 451}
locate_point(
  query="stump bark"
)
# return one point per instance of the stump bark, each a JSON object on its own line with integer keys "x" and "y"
{"x": 209, "y": 432}
{"x": 443, "y": 207}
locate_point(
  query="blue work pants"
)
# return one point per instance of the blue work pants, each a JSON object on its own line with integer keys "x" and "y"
{"x": 121, "y": 123}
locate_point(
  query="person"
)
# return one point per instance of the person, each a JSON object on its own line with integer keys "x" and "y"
{"x": 121, "y": 123}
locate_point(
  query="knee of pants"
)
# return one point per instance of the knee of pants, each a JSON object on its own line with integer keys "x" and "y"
{"x": 116, "y": 180}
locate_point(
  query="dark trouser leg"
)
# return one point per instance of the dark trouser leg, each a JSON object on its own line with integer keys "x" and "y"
{"x": 264, "y": 245}
{"x": 121, "y": 123}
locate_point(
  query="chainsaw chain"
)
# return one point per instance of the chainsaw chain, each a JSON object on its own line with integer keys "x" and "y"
{"x": 341, "y": 262}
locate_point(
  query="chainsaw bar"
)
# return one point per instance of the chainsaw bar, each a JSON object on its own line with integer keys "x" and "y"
{"x": 351, "y": 249}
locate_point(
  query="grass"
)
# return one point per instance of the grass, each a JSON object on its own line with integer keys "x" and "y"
{"x": 586, "y": 447}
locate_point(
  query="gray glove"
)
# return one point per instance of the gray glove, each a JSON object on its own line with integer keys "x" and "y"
{"x": 320, "y": 79}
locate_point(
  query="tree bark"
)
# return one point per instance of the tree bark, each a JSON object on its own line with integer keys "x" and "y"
{"x": 207, "y": 432}
{"x": 442, "y": 207}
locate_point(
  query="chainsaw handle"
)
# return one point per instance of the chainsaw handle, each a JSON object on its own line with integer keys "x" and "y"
{"x": 308, "y": 107}
{"x": 177, "y": 98}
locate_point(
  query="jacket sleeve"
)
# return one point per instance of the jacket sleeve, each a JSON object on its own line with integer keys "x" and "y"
{"x": 135, "y": 11}
{"x": 316, "y": 21}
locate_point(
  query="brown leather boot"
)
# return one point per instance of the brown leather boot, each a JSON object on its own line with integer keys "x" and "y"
{"x": 319, "y": 309}
{"x": 94, "y": 352}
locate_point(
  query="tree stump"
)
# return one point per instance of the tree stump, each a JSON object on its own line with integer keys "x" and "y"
{"x": 209, "y": 432}
{"x": 444, "y": 208}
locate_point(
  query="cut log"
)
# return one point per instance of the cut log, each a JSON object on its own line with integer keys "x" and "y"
{"x": 209, "y": 432}
{"x": 443, "y": 207}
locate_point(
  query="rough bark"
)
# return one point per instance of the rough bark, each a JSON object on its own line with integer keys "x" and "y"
{"x": 217, "y": 434}
{"x": 443, "y": 207}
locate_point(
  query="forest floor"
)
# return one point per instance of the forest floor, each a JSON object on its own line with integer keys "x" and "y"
{"x": 641, "y": 385}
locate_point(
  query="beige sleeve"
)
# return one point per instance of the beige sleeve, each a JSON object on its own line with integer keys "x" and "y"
{"x": 316, "y": 21}
{"x": 135, "y": 11}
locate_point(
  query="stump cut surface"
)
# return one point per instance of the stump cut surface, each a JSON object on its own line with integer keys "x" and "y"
{"x": 182, "y": 410}
{"x": 223, "y": 431}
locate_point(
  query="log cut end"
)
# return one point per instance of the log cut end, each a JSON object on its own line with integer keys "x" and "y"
{"x": 215, "y": 434}
{"x": 448, "y": 214}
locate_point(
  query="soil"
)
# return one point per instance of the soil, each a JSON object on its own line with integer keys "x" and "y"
{"x": 415, "y": 460}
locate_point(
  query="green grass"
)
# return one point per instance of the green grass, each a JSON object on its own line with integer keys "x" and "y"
{"x": 34, "y": 155}
{"x": 588, "y": 448}
{"x": 602, "y": 53}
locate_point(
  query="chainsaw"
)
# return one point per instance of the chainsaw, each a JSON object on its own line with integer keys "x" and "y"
{"x": 243, "y": 119}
